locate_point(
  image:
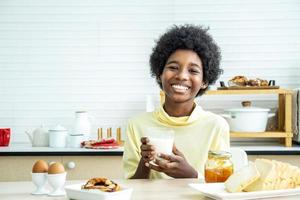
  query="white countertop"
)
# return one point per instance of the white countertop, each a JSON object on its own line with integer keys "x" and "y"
{"x": 253, "y": 148}
{"x": 143, "y": 189}
{"x": 29, "y": 148}
{"x": 265, "y": 146}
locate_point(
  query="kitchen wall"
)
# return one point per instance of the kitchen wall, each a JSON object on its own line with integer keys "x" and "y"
{"x": 59, "y": 56}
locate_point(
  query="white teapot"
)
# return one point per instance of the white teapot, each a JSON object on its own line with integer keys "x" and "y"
{"x": 39, "y": 137}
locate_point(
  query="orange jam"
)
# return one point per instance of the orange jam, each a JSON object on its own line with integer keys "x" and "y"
{"x": 218, "y": 167}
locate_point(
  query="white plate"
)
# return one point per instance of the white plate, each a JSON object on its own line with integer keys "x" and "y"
{"x": 75, "y": 192}
{"x": 217, "y": 191}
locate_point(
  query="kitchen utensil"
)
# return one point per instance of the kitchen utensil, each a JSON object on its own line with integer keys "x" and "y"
{"x": 58, "y": 136}
{"x": 39, "y": 180}
{"x": 247, "y": 118}
{"x": 39, "y": 137}
{"x": 100, "y": 134}
{"x": 82, "y": 124}
{"x": 4, "y": 136}
{"x": 57, "y": 182}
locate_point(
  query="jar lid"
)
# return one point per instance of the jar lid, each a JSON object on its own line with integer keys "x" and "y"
{"x": 219, "y": 154}
{"x": 247, "y": 108}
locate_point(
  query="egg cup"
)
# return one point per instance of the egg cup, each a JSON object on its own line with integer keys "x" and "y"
{"x": 57, "y": 181}
{"x": 39, "y": 180}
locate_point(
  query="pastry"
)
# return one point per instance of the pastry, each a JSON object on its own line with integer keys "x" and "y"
{"x": 263, "y": 82}
{"x": 253, "y": 82}
{"x": 109, "y": 143}
{"x": 102, "y": 184}
{"x": 238, "y": 81}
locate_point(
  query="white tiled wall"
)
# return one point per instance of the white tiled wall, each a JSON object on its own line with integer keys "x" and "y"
{"x": 59, "y": 56}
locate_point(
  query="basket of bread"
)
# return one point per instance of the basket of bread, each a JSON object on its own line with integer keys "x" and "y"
{"x": 243, "y": 82}
{"x": 264, "y": 174}
{"x": 262, "y": 178}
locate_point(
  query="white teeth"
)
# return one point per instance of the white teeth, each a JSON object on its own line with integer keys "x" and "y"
{"x": 180, "y": 87}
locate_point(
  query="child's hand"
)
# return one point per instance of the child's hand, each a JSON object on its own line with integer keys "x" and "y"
{"x": 147, "y": 151}
{"x": 175, "y": 165}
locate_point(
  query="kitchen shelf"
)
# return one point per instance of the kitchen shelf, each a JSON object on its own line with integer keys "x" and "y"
{"x": 284, "y": 131}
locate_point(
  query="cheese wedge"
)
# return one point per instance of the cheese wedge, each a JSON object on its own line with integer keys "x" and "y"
{"x": 242, "y": 178}
{"x": 268, "y": 175}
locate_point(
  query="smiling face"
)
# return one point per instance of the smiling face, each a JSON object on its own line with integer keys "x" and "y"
{"x": 182, "y": 77}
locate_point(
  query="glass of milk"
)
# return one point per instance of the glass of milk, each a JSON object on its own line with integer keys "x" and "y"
{"x": 161, "y": 138}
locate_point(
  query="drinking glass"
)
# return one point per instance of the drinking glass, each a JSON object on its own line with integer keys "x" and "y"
{"x": 161, "y": 138}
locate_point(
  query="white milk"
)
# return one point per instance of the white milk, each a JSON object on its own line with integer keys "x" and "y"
{"x": 162, "y": 145}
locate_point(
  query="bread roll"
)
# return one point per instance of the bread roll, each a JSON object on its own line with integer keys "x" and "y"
{"x": 242, "y": 178}
{"x": 274, "y": 175}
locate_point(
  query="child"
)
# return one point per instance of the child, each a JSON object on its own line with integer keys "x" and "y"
{"x": 185, "y": 61}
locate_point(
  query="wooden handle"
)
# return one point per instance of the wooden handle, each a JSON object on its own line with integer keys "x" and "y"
{"x": 109, "y": 132}
{"x": 119, "y": 134}
{"x": 99, "y": 133}
{"x": 246, "y": 103}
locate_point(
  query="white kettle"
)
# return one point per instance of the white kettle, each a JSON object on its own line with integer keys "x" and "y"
{"x": 39, "y": 137}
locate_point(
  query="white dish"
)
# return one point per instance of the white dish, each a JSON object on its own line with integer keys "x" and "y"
{"x": 217, "y": 191}
{"x": 75, "y": 192}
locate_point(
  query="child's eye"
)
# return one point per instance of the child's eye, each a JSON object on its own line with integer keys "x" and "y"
{"x": 172, "y": 67}
{"x": 194, "y": 71}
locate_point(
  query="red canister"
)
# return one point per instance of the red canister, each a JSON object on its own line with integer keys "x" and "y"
{"x": 4, "y": 136}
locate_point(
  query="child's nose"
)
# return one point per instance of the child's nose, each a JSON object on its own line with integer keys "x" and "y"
{"x": 182, "y": 75}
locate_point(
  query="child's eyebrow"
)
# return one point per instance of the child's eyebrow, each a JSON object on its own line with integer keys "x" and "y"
{"x": 191, "y": 64}
{"x": 195, "y": 64}
{"x": 171, "y": 62}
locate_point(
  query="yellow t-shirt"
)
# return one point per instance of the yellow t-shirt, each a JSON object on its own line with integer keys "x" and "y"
{"x": 195, "y": 135}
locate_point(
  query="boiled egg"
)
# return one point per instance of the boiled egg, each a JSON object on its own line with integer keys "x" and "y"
{"x": 56, "y": 168}
{"x": 40, "y": 166}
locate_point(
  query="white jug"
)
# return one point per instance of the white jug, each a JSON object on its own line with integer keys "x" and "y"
{"x": 39, "y": 137}
{"x": 82, "y": 124}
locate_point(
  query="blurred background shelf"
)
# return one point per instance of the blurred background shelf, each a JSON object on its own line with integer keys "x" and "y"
{"x": 284, "y": 132}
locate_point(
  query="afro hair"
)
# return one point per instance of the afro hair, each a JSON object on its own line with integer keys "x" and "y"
{"x": 187, "y": 37}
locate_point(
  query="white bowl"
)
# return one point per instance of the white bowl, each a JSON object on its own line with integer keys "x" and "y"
{"x": 75, "y": 192}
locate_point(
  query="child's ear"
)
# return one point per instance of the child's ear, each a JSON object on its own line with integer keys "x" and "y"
{"x": 158, "y": 79}
{"x": 204, "y": 85}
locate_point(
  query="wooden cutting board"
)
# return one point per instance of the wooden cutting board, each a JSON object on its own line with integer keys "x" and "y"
{"x": 248, "y": 87}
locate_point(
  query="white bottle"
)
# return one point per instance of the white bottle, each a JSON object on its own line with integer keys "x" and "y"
{"x": 82, "y": 125}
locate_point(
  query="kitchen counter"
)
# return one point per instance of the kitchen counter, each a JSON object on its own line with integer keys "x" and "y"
{"x": 27, "y": 150}
{"x": 142, "y": 189}
{"x": 252, "y": 148}
{"x": 109, "y": 162}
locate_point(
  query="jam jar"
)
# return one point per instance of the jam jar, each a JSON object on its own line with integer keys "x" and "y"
{"x": 218, "y": 166}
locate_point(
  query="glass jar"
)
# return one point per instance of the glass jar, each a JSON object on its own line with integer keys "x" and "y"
{"x": 218, "y": 166}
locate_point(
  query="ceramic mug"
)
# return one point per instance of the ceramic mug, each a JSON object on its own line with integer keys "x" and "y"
{"x": 4, "y": 136}
{"x": 74, "y": 141}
